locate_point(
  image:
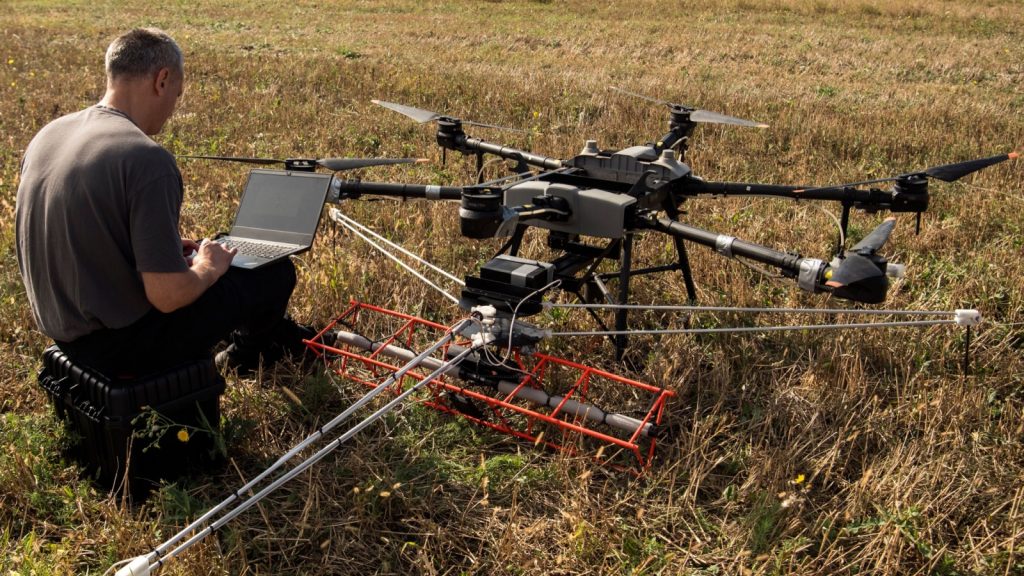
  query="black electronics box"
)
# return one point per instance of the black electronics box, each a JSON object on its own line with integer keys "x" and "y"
{"x": 141, "y": 430}
{"x": 518, "y": 272}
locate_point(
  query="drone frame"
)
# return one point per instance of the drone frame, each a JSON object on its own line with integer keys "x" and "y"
{"x": 655, "y": 181}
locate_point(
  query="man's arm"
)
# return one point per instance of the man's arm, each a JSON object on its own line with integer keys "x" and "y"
{"x": 168, "y": 291}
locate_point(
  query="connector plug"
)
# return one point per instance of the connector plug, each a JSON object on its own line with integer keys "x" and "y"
{"x": 965, "y": 317}
{"x": 487, "y": 315}
{"x": 139, "y": 566}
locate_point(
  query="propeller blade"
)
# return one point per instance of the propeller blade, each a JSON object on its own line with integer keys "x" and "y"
{"x": 707, "y": 117}
{"x": 876, "y": 239}
{"x": 859, "y": 279}
{"x": 482, "y": 125}
{"x": 236, "y": 159}
{"x": 946, "y": 172}
{"x": 700, "y": 116}
{"x": 418, "y": 114}
{"x": 339, "y": 164}
{"x": 423, "y": 116}
{"x": 641, "y": 96}
{"x": 956, "y": 171}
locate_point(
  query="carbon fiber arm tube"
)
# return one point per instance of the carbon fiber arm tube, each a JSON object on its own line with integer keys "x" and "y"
{"x": 347, "y": 189}
{"x": 809, "y": 271}
{"x": 872, "y": 197}
{"x": 513, "y": 154}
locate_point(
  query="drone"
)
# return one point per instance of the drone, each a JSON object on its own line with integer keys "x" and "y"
{"x": 591, "y": 205}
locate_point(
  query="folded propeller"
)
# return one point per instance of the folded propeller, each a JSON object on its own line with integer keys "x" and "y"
{"x": 861, "y": 274}
{"x": 423, "y": 116}
{"x": 694, "y": 114}
{"x": 946, "y": 172}
{"x": 310, "y": 164}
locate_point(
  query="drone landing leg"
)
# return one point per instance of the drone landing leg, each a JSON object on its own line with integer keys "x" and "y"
{"x": 593, "y": 314}
{"x": 621, "y": 314}
{"x": 844, "y": 223}
{"x": 684, "y": 259}
{"x": 513, "y": 243}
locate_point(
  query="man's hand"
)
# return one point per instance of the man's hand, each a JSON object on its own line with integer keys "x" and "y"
{"x": 189, "y": 249}
{"x": 213, "y": 255}
{"x": 168, "y": 291}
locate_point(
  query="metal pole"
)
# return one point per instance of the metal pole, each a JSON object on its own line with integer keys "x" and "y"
{"x": 155, "y": 557}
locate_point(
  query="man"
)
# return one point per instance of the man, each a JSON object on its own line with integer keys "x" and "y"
{"x": 107, "y": 274}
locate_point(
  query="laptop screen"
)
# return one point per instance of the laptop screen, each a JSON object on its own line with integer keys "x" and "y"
{"x": 283, "y": 201}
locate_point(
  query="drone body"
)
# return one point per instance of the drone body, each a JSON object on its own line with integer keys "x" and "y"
{"x": 592, "y": 204}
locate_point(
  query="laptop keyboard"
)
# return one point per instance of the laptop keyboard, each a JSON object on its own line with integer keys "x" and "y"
{"x": 257, "y": 249}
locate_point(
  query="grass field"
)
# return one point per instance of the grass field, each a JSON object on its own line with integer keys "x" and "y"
{"x": 799, "y": 453}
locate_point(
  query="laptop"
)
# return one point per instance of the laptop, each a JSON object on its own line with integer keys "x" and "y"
{"x": 277, "y": 217}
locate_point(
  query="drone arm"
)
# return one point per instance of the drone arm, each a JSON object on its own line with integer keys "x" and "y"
{"x": 673, "y": 137}
{"x": 477, "y": 145}
{"x": 859, "y": 275}
{"x": 899, "y": 199}
{"x": 348, "y": 189}
{"x": 728, "y": 245}
{"x": 696, "y": 186}
{"x": 810, "y": 272}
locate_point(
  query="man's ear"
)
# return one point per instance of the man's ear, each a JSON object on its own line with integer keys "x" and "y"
{"x": 161, "y": 80}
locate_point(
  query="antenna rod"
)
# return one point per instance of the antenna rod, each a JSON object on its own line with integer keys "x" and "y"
{"x": 142, "y": 565}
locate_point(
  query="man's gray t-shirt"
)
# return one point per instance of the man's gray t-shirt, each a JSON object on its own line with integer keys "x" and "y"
{"x": 98, "y": 204}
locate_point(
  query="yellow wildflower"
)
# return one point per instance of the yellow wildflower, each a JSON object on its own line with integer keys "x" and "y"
{"x": 799, "y": 479}
{"x": 183, "y": 435}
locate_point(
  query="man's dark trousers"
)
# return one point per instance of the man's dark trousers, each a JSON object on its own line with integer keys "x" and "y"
{"x": 250, "y": 302}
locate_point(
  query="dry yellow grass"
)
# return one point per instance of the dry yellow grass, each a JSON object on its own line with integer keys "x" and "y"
{"x": 907, "y": 466}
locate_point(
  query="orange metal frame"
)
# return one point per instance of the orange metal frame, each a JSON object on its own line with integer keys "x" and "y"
{"x": 511, "y": 415}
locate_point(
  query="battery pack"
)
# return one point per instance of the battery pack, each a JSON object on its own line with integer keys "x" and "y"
{"x": 518, "y": 272}
{"x": 138, "y": 431}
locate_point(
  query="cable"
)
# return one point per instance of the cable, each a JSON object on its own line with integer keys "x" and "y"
{"x": 839, "y": 226}
{"x": 521, "y": 177}
{"x": 115, "y": 565}
{"x": 913, "y": 323}
{"x": 398, "y": 247}
{"x": 515, "y": 311}
{"x": 754, "y": 310}
{"x": 480, "y": 172}
{"x": 394, "y": 258}
{"x": 762, "y": 271}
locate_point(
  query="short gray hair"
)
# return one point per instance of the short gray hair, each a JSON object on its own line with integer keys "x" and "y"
{"x": 141, "y": 52}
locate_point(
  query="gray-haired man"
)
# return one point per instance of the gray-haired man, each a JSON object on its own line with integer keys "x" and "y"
{"x": 104, "y": 266}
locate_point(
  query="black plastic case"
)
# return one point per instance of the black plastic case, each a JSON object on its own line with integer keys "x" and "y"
{"x": 133, "y": 429}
